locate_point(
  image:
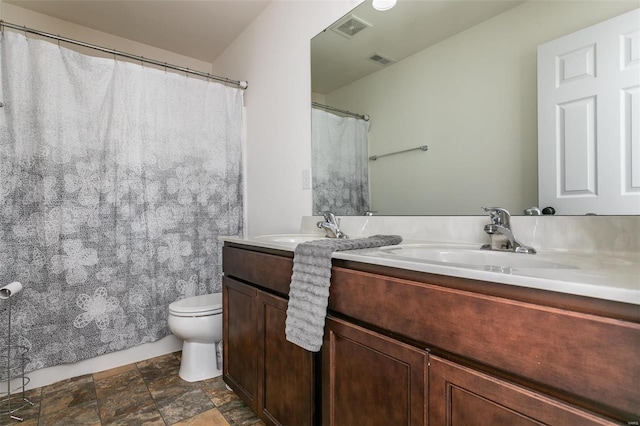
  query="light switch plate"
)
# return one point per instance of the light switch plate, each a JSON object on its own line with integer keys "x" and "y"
{"x": 306, "y": 179}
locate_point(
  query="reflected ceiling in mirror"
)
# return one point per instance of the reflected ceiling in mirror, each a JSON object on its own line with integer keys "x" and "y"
{"x": 461, "y": 78}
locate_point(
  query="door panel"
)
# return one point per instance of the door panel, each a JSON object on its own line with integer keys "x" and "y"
{"x": 589, "y": 119}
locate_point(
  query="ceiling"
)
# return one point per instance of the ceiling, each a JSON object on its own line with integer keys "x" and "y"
{"x": 203, "y": 29}
{"x": 200, "y": 29}
{"x": 411, "y": 26}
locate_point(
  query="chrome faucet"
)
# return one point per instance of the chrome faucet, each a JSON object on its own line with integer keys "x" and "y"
{"x": 500, "y": 232}
{"x": 332, "y": 226}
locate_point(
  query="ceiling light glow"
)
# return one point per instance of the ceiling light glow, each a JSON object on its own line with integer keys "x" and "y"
{"x": 383, "y": 4}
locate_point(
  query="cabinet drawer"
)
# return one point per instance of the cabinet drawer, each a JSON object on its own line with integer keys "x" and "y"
{"x": 269, "y": 271}
{"x": 567, "y": 353}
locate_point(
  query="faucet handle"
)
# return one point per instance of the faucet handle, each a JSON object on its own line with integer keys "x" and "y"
{"x": 331, "y": 225}
{"x": 330, "y": 217}
{"x": 498, "y": 215}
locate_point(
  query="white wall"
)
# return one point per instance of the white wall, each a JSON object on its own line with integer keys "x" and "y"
{"x": 273, "y": 55}
{"x": 472, "y": 99}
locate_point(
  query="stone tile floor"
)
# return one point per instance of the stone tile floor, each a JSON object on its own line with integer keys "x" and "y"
{"x": 145, "y": 393}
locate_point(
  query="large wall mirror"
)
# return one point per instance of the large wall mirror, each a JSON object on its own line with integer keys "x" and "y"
{"x": 457, "y": 76}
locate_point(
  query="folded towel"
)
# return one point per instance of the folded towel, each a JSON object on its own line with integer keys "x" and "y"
{"x": 309, "y": 290}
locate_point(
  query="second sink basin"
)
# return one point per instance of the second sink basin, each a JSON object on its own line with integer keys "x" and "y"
{"x": 468, "y": 256}
{"x": 290, "y": 238}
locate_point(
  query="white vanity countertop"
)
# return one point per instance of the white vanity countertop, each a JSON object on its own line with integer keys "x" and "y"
{"x": 604, "y": 251}
{"x": 603, "y": 276}
{"x": 609, "y": 276}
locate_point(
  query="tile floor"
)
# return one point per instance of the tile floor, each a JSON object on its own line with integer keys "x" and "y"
{"x": 149, "y": 392}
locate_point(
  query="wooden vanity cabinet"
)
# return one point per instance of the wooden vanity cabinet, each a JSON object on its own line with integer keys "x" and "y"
{"x": 274, "y": 377}
{"x": 410, "y": 348}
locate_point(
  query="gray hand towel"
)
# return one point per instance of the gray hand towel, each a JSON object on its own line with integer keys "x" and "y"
{"x": 309, "y": 290}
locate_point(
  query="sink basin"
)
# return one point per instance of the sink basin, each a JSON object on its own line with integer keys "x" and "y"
{"x": 290, "y": 238}
{"x": 469, "y": 256}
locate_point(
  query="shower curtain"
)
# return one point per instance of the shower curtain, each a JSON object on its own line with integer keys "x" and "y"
{"x": 115, "y": 182}
{"x": 339, "y": 152}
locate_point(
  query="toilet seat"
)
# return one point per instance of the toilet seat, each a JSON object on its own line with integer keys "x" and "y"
{"x": 197, "y": 306}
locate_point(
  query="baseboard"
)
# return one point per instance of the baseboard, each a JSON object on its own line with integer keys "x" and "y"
{"x": 49, "y": 375}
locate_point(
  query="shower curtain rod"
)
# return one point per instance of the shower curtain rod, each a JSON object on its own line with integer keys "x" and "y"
{"x": 240, "y": 84}
{"x": 330, "y": 108}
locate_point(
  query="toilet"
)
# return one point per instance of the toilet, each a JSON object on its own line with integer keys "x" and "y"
{"x": 198, "y": 322}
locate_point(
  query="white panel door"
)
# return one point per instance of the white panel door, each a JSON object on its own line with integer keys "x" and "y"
{"x": 589, "y": 119}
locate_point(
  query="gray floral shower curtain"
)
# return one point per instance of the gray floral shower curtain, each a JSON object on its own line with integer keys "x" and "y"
{"x": 115, "y": 182}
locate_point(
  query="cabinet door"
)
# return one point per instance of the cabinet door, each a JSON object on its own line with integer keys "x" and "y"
{"x": 370, "y": 379}
{"x": 239, "y": 340}
{"x": 286, "y": 393}
{"x": 462, "y": 396}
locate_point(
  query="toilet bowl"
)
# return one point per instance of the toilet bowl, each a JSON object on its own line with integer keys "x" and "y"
{"x": 198, "y": 322}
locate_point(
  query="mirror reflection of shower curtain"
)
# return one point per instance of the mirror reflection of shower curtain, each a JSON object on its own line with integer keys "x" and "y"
{"x": 339, "y": 163}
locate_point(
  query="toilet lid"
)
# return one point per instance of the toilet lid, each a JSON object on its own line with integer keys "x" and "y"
{"x": 206, "y": 304}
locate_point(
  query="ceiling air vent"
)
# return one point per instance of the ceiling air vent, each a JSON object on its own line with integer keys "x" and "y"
{"x": 350, "y": 26}
{"x": 378, "y": 58}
